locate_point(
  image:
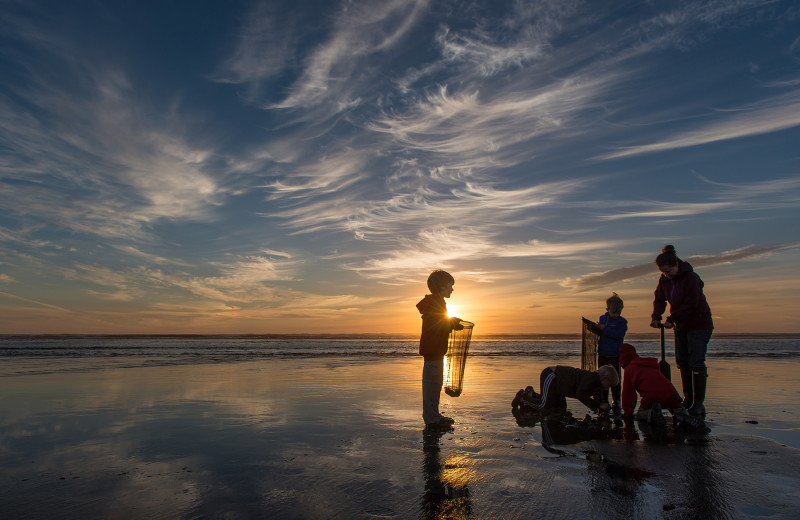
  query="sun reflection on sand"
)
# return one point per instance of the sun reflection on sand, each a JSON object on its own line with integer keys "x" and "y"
{"x": 459, "y": 471}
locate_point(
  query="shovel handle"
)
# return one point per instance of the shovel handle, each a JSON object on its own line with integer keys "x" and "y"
{"x": 661, "y": 329}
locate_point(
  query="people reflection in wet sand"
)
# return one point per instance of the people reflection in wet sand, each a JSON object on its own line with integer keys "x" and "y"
{"x": 707, "y": 494}
{"x": 564, "y": 430}
{"x": 618, "y": 486}
{"x": 561, "y": 428}
{"x": 443, "y": 497}
{"x": 615, "y": 487}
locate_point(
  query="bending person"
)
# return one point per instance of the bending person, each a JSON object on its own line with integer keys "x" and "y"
{"x": 590, "y": 388}
{"x": 643, "y": 377}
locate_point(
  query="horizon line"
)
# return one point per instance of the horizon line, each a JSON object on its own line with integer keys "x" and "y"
{"x": 322, "y": 335}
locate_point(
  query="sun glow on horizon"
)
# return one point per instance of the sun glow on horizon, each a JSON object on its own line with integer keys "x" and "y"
{"x": 452, "y": 311}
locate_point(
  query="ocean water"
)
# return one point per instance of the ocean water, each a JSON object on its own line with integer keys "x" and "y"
{"x": 209, "y": 349}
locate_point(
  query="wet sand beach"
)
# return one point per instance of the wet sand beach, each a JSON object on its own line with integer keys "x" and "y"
{"x": 342, "y": 438}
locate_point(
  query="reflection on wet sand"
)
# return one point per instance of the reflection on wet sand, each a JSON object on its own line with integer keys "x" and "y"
{"x": 341, "y": 439}
{"x": 706, "y": 491}
{"x": 446, "y": 493}
{"x": 617, "y": 486}
{"x": 556, "y": 431}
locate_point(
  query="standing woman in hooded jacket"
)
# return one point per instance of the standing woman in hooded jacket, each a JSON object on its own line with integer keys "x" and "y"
{"x": 690, "y": 316}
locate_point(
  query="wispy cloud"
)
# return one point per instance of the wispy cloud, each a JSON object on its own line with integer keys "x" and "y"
{"x": 265, "y": 47}
{"x": 428, "y": 202}
{"x": 726, "y": 197}
{"x": 772, "y": 115}
{"x": 243, "y": 279}
{"x": 442, "y": 247}
{"x": 670, "y": 210}
{"x": 624, "y": 274}
{"x": 34, "y": 302}
{"x": 331, "y": 73}
{"x": 775, "y": 190}
{"x": 476, "y": 131}
{"x": 151, "y": 258}
{"x": 362, "y": 29}
{"x": 329, "y": 174}
{"x": 21, "y": 237}
{"x": 94, "y": 156}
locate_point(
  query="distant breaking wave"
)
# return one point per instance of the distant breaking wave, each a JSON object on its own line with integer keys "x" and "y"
{"x": 218, "y": 348}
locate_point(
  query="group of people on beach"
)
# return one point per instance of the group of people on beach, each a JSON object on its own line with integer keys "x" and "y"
{"x": 689, "y": 317}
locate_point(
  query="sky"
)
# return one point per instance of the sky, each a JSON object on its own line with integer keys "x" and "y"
{"x": 235, "y": 167}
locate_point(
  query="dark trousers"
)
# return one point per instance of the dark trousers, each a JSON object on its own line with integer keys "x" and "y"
{"x": 548, "y": 387}
{"x": 615, "y": 390}
{"x": 690, "y": 349}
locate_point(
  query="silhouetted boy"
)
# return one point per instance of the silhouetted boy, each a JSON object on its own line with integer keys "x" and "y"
{"x": 436, "y": 328}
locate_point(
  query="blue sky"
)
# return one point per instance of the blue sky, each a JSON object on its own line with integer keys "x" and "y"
{"x": 257, "y": 167}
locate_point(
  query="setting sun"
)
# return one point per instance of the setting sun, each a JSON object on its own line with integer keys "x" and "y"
{"x": 452, "y": 310}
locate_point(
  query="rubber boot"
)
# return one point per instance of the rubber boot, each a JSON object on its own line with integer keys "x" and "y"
{"x": 683, "y": 419}
{"x": 653, "y": 416}
{"x": 699, "y": 381}
{"x": 688, "y": 391}
{"x": 644, "y": 415}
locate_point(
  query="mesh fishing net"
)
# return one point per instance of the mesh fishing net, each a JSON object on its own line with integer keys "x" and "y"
{"x": 589, "y": 339}
{"x": 456, "y": 358}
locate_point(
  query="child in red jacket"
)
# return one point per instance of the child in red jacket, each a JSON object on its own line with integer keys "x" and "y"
{"x": 642, "y": 375}
{"x": 436, "y": 327}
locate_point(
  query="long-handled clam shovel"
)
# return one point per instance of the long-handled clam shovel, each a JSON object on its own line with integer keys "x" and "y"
{"x": 663, "y": 365}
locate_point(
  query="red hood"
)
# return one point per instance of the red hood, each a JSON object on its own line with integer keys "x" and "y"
{"x": 627, "y": 353}
{"x": 649, "y": 362}
{"x": 628, "y": 356}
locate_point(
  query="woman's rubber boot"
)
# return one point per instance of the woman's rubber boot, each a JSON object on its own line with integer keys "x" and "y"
{"x": 683, "y": 419}
{"x": 699, "y": 381}
{"x": 688, "y": 389}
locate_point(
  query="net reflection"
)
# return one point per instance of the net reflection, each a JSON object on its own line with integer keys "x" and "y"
{"x": 446, "y": 493}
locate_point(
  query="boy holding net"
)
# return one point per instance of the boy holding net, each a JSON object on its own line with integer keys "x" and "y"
{"x": 436, "y": 328}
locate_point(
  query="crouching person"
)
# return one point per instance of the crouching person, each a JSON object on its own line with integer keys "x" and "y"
{"x": 643, "y": 377}
{"x": 590, "y": 388}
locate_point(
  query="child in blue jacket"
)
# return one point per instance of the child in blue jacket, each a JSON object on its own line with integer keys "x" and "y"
{"x": 612, "y": 327}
